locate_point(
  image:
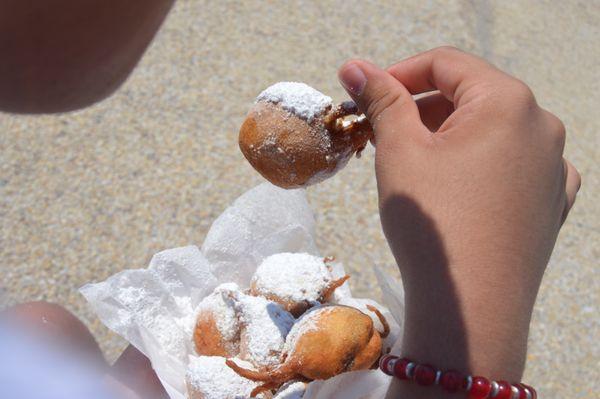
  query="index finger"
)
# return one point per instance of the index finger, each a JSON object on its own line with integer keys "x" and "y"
{"x": 446, "y": 69}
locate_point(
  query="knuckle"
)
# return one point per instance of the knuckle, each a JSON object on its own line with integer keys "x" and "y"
{"x": 516, "y": 99}
{"x": 448, "y": 53}
{"x": 447, "y": 49}
{"x": 577, "y": 177}
{"x": 522, "y": 92}
{"x": 382, "y": 101}
{"x": 560, "y": 139}
{"x": 556, "y": 124}
{"x": 574, "y": 174}
{"x": 558, "y": 130}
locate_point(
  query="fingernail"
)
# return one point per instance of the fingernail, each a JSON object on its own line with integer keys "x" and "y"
{"x": 353, "y": 79}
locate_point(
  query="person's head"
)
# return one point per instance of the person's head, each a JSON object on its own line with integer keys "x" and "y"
{"x": 68, "y": 54}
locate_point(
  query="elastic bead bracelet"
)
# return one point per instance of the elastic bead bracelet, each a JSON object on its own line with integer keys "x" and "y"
{"x": 453, "y": 381}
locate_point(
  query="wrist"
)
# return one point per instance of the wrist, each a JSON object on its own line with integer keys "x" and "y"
{"x": 462, "y": 328}
{"x": 469, "y": 321}
{"x": 466, "y": 335}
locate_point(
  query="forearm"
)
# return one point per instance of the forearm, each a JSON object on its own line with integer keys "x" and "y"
{"x": 465, "y": 322}
{"x": 469, "y": 288}
{"x": 472, "y": 188}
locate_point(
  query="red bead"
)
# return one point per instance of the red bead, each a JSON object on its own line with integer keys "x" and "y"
{"x": 504, "y": 391}
{"x": 384, "y": 364}
{"x": 400, "y": 368}
{"x": 522, "y": 392}
{"x": 480, "y": 389}
{"x": 531, "y": 391}
{"x": 424, "y": 374}
{"x": 451, "y": 381}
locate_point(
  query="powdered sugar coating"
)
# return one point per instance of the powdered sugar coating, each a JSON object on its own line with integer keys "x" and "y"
{"x": 292, "y": 277}
{"x": 208, "y": 377}
{"x": 221, "y": 304}
{"x": 298, "y": 98}
{"x": 291, "y": 390}
{"x": 265, "y": 326}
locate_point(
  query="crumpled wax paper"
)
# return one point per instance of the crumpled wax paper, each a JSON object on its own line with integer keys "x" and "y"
{"x": 154, "y": 308}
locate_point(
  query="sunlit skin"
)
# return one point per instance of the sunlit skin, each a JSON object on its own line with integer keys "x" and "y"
{"x": 473, "y": 189}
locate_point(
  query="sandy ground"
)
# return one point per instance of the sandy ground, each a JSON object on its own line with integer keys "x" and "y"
{"x": 86, "y": 194}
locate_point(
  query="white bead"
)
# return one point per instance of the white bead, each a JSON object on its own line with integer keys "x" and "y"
{"x": 390, "y": 366}
{"x": 470, "y": 383}
{"x": 381, "y": 361}
{"x": 528, "y": 393}
{"x": 515, "y": 392}
{"x": 438, "y": 377}
{"x": 409, "y": 369}
{"x": 494, "y": 390}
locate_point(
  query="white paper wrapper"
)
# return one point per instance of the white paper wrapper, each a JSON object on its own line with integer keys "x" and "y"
{"x": 154, "y": 308}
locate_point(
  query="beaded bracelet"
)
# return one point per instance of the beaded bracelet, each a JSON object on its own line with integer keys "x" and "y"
{"x": 454, "y": 381}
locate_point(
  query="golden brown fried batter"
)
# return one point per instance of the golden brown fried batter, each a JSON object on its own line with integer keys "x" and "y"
{"x": 217, "y": 330}
{"x": 326, "y": 341}
{"x": 291, "y": 152}
{"x": 209, "y": 341}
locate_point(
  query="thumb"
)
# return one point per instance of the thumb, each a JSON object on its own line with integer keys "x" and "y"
{"x": 382, "y": 98}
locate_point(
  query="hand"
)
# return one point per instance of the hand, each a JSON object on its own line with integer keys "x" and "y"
{"x": 473, "y": 190}
{"x": 131, "y": 377}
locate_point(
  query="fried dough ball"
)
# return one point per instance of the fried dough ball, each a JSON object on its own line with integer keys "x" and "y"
{"x": 231, "y": 323}
{"x": 217, "y": 330}
{"x": 294, "y": 136}
{"x": 297, "y": 281}
{"x": 264, "y": 326}
{"x": 326, "y": 341}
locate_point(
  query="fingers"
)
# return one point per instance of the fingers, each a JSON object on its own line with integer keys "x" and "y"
{"x": 383, "y": 99}
{"x": 56, "y": 324}
{"x": 135, "y": 371}
{"x": 434, "y": 110}
{"x": 120, "y": 390}
{"x": 446, "y": 69}
{"x": 572, "y": 185}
